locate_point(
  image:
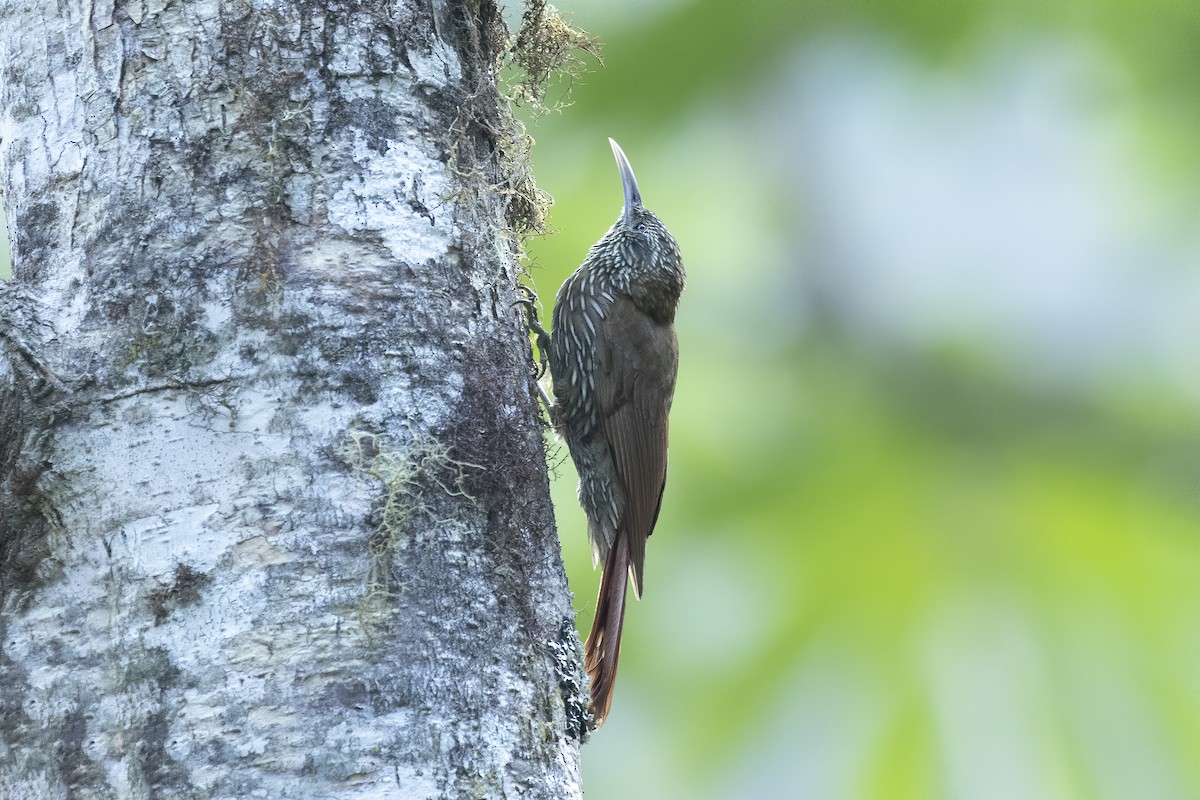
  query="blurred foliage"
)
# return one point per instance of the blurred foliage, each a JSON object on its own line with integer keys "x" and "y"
{"x": 662, "y": 60}
{"x": 886, "y": 567}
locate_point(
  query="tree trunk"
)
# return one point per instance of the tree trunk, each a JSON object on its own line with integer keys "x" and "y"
{"x": 274, "y": 515}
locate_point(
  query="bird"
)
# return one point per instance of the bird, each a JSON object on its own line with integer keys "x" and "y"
{"x": 613, "y": 359}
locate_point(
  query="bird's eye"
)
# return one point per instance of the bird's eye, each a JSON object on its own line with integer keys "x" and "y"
{"x": 640, "y": 227}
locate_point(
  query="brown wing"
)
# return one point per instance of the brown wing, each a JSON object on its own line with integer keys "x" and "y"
{"x": 635, "y": 374}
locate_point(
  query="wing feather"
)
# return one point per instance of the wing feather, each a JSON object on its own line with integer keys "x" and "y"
{"x": 636, "y": 381}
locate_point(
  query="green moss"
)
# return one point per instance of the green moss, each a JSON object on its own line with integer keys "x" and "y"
{"x": 141, "y": 345}
{"x": 407, "y": 479}
{"x": 545, "y": 47}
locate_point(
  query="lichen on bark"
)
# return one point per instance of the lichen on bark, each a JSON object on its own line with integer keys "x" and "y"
{"x": 238, "y": 243}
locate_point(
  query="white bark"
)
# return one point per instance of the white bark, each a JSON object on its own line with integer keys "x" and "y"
{"x": 274, "y": 517}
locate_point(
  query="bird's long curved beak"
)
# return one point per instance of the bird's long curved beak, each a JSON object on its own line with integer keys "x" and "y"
{"x": 633, "y": 197}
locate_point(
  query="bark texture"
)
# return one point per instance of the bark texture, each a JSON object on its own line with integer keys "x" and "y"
{"x": 274, "y": 516}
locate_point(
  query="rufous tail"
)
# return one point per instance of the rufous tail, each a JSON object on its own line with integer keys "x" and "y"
{"x": 603, "y": 646}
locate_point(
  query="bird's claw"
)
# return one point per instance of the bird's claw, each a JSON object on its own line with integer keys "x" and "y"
{"x": 533, "y": 323}
{"x": 529, "y": 300}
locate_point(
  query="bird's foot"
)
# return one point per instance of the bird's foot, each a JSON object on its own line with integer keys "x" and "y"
{"x": 533, "y": 323}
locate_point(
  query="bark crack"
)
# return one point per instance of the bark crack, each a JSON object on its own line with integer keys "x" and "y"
{"x": 168, "y": 386}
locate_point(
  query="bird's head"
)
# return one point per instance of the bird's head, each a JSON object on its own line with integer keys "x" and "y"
{"x": 638, "y": 241}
